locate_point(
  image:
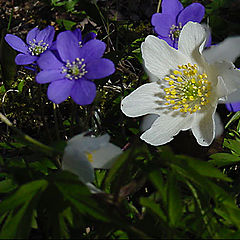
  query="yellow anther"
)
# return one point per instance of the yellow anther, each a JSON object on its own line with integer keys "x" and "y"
{"x": 176, "y": 72}
{"x": 179, "y": 79}
{"x": 89, "y": 157}
{"x": 188, "y": 90}
{"x": 166, "y": 103}
{"x": 191, "y": 98}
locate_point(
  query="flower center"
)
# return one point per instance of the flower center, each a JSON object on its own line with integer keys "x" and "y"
{"x": 188, "y": 89}
{"x": 37, "y": 48}
{"x": 74, "y": 70}
{"x": 175, "y": 32}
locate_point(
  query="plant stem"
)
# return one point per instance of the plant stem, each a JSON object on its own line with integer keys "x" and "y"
{"x": 158, "y": 7}
{"x": 27, "y": 138}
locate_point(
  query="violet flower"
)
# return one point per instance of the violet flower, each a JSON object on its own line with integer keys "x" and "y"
{"x": 37, "y": 42}
{"x": 170, "y": 22}
{"x": 233, "y": 107}
{"x": 71, "y": 68}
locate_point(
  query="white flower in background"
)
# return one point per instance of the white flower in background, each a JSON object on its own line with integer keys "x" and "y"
{"x": 83, "y": 154}
{"x": 187, "y": 91}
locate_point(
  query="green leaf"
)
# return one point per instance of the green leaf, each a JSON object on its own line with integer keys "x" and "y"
{"x": 204, "y": 168}
{"x": 21, "y": 204}
{"x": 78, "y": 195}
{"x": 148, "y": 203}
{"x": 223, "y": 159}
{"x": 24, "y": 194}
{"x": 233, "y": 145}
{"x": 235, "y": 117}
{"x": 66, "y": 23}
{"x": 20, "y": 222}
{"x": 21, "y": 85}
{"x": 173, "y": 200}
{"x": 157, "y": 180}
{"x": 7, "y": 186}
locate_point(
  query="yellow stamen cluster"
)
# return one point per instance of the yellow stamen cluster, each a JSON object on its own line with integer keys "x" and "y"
{"x": 188, "y": 89}
{"x": 89, "y": 157}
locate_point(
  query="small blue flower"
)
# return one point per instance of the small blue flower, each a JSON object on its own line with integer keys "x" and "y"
{"x": 233, "y": 107}
{"x": 170, "y": 22}
{"x": 72, "y": 66}
{"x": 37, "y": 42}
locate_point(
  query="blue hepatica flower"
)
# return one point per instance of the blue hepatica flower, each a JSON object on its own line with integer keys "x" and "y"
{"x": 37, "y": 42}
{"x": 170, "y": 22}
{"x": 72, "y": 67}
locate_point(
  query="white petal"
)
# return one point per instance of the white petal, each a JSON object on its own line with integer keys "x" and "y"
{"x": 166, "y": 127}
{"x": 160, "y": 58}
{"x": 192, "y": 37}
{"x": 88, "y": 143}
{"x": 203, "y": 127}
{"x": 76, "y": 162}
{"x": 232, "y": 98}
{"x": 93, "y": 189}
{"x": 105, "y": 156}
{"x": 143, "y": 100}
{"x": 228, "y": 50}
{"x": 148, "y": 121}
{"x": 229, "y": 77}
{"x": 152, "y": 77}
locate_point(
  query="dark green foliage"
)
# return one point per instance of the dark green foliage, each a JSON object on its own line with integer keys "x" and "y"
{"x": 150, "y": 192}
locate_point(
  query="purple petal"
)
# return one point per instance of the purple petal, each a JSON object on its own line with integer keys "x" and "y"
{"x": 46, "y": 35}
{"x": 233, "y": 107}
{"x": 88, "y": 37}
{"x": 163, "y": 23}
{"x": 78, "y": 33}
{"x": 60, "y": 90}
{"x": 83, "y": 92}
{"x": 168, "y": 40}
{"x": 24, "y": 59}
{"x": 67, "y": 46}
{"x": 47, "y": 76}
{"x": 48, "y": 61}
{"x": 209, "y": 41}
{"x": 171, "y": 7}
{"x": 32, "y": 34}
{"x": 99, "y": 68}
{"x": 16, "y": 43}
{"x": 93, "y": 49}
{"x": 194, "y": 12}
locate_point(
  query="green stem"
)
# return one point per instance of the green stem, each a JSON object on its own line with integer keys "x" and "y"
{"x": 158, "y": 7}
{"x": 56, "y": 121}
{"x": 27, "y": 138}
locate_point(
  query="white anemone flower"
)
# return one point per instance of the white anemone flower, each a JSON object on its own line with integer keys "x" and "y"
{"x": 187, "y": 91}
{"x": 84, "y": 153}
